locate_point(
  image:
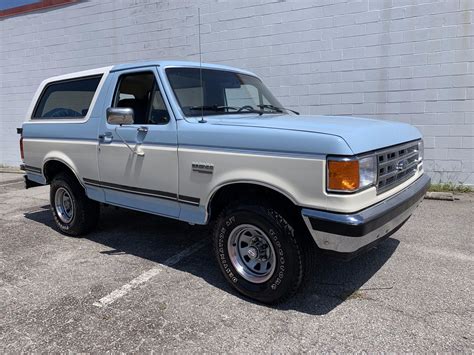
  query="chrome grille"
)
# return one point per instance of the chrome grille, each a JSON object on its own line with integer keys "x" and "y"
{"x": 396, "y": 165}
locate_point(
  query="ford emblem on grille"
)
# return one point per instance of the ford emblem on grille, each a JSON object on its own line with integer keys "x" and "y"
{"x": 402, "y": 164}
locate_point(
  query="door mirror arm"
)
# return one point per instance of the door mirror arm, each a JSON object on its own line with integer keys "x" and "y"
{"x": 122, "y": 117}
{"x": 137, "y": 150}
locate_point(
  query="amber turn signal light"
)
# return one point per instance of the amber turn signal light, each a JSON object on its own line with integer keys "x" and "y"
{"x": 343, "y": 175}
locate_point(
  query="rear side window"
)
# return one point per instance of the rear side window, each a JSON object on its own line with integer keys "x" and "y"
{"x": 67, "y": 99}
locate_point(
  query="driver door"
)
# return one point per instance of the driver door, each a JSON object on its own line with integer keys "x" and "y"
{"x": 138, "y": 165}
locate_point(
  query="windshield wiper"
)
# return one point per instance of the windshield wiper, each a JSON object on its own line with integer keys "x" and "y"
{"x": 243, "y": 109}
{"x": 278, "y": 109}
{"x": 212, "y": 108}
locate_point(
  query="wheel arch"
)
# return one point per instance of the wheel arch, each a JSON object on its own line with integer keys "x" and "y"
{"x": 239, "y": 189}
{"x": 53, "y": 165}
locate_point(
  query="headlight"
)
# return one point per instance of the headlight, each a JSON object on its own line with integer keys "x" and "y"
{"x": 421, "y": 151}
{"x": 367, "y": 171}
{"x": 351, "y": 174}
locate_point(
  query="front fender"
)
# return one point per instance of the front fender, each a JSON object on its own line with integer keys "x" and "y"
{"x": 298, "y": 178}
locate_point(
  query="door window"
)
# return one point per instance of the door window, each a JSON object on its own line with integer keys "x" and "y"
{"x": 140, "y": 92}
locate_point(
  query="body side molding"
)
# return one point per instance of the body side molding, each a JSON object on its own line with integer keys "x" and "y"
{"x": 147, "y": 192}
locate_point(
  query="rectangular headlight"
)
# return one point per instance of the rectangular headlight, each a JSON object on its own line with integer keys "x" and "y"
{"x": 367, "y": 171}
{"x": 421, "y": 151}
{"x": 351, "y": 174}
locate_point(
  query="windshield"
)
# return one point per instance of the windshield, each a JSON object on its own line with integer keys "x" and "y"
{"x": 224, "y": 92}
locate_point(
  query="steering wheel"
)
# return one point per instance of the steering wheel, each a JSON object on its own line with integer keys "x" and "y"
{"x": 62, "y": 112}
{"x": 246, "y": 107}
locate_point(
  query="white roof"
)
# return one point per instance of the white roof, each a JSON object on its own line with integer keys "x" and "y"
{"x": 133, "y": 65}
{"x": 78, "y": 74}
{"x": 172, "y": 63}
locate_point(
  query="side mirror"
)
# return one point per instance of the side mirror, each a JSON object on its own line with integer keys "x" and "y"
{"x": 120, "y": 115}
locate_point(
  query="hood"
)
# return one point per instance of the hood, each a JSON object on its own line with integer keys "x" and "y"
{"x": 361, "y": 134}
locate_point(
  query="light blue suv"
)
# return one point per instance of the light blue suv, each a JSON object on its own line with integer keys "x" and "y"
{"x": 211, "y": 144}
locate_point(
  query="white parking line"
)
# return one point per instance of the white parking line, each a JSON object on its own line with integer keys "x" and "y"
{"x": 147, "y": 275}
{"x": 442, "y": 252}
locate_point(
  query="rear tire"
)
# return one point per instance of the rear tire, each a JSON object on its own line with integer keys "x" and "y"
{"x": 74, "y": 213}
{"x": 259, "y": 252}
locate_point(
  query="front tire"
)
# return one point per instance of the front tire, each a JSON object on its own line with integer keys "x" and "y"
{"x": 258, "y": 252}
{"x": 74, "y": 213}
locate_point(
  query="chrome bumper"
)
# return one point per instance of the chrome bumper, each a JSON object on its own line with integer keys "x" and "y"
{"x": 351, "y": 233}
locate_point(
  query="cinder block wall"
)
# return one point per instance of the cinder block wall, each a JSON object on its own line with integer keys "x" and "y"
{"x": 404, "y": 60}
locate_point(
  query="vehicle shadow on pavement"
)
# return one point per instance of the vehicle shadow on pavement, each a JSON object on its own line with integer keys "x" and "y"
{"x": 157, "y": 239}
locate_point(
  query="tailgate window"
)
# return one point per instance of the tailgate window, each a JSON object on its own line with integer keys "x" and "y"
{"x": 67, "y": 98}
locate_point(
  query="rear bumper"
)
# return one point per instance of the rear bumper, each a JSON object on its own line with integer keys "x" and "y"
{"x": 30, "y": 183}
{"x": 351, "y": 233}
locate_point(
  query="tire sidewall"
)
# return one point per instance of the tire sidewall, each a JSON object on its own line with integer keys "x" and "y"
{"x": 282, "y": 239}
{"x": 55, "y": 185}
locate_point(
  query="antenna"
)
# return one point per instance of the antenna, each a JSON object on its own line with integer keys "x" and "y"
{"x": 202, "y": 120}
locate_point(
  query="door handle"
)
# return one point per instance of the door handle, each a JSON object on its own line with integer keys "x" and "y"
{"x": 106, "y": 137}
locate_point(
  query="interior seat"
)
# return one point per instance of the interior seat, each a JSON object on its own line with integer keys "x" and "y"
{"x": 139, "y": 108}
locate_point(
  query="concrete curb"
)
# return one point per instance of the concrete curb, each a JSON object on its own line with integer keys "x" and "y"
{"x": 442, "y": 196}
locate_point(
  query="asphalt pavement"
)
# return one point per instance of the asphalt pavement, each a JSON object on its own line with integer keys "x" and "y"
{"x": 144, "y": 283}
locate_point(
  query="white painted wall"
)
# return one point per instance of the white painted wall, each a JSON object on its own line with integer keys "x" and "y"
{"x": 405, "y": 60}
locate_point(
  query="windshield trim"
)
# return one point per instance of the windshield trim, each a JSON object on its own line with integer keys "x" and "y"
{"x": 209, "y": 114}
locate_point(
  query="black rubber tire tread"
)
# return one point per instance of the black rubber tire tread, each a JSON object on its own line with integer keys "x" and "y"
{"x": 301, "y": 256}
{"x": 311, "y": 253}
{"x": 86, "y": 213}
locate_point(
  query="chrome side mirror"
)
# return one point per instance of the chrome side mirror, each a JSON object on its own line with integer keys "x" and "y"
{"x": 120, "y": 115}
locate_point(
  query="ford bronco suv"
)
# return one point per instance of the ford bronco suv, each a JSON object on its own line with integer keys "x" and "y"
{"x": 207, "y": 144}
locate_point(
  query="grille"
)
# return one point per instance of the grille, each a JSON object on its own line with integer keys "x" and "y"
{"x": 396, "y": 165}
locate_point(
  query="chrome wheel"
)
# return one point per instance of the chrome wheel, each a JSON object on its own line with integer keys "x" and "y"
{"x": 251, "y": 253}
{"x": 63, "y": 203}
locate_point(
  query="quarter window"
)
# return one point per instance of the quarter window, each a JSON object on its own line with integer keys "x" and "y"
{"x": 67, "y": 99}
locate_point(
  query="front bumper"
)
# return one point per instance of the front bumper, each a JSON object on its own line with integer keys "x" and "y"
{"x": 350, "y": 233}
